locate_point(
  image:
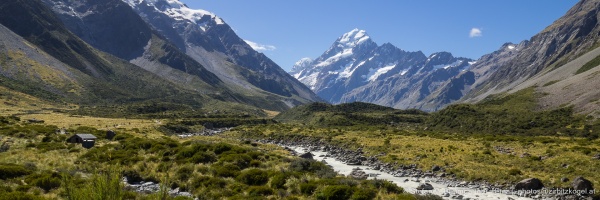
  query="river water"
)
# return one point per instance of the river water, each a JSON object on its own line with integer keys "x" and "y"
{"x": 410, "y": 184}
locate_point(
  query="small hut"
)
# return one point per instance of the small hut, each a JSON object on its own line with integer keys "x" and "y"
{"x": 86, "y": 140}
{"x": 110, "y": 134}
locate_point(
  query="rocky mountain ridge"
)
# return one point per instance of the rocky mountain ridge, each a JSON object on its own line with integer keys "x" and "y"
{"x": 356, "y": 69}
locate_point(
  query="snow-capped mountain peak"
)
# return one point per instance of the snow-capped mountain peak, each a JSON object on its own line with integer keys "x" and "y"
{"x": 177, "y": 10}
{"x": 353, "y": 38}
{"x": 301, "y": 65}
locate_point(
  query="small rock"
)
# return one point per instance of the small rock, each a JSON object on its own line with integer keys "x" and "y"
{"x": 564, "y": 179}
{"x": 306, "y": 155}
{"x": 435, "y": 168}
{"x": 583, "y": 184}
{"x": 529, "y": 184}
{"x": 425, "y": 186}
{"x": 358, "y": 174}
{"x": 597, "y": 157}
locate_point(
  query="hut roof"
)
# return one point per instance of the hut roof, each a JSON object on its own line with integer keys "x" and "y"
{"x": 86, "y": 136}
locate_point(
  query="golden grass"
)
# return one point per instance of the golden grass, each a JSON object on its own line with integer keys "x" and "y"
{"x": 146, "y": 127}
{"x": 12, "y": 102}
{"x": 50, "y": 160}
{"x": 271, "y": 113}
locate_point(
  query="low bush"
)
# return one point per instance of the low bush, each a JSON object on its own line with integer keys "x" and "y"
{"x": 388, "y": 186}
{"x": 208, "y": 182}
{"x": 253, "y": 177}
{"x": 226, "y": 170}
{"x": 308, "y": 188}
{"x": 335, "y": 192}
{"x": 46, "y": 181}
{"x": 278, "y": 181}
{"x": 184, "y": 173}
{"x": 261, "y": 191}
{"x": 363, "y": 194}
{"x": 240, "y": 160}
{"x": 18, "y": 196}
{"x": 8, "y": 171}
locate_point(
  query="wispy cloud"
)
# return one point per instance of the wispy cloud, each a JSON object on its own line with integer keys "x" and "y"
{"x": 260, "y": 47}
{"x": 475, "y": 32}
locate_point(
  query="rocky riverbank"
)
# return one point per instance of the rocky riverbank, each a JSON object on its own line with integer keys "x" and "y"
{"x": 150, "y": 187}
{"x": 436, "y": 174}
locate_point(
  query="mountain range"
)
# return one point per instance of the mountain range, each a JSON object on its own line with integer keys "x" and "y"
{"x": 559, "y": 62}
{"x": 95, "y": 52}
{"x": 130, "y": 52}
{"x": 355, "y": 68}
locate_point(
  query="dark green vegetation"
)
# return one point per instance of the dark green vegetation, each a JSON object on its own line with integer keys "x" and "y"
{"x": 349, "y": 114}
{"x": 513, "y": 115}
{"x": 207, "y": 168}
{"x": 501, "y": 115}
{"x": 589, "y": 65}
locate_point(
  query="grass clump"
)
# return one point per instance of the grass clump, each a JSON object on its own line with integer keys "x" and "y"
{"x": 589, "y": 65}
{"x": 8, "y": 171}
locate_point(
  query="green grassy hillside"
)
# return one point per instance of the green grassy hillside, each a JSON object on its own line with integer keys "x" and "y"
{"x": 348, "y": 114}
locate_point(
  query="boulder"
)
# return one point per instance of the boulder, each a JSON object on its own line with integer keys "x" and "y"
{"x": 358, "y": 174}
{"x": 529, "y": 184}
{"x": 306, "y": 155}
{"x": 582, "y": 184}
{"x": 425, "y": 186}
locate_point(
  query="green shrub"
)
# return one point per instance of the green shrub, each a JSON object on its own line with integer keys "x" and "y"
{"x": 278, "y": 181}
{"x": 8, "y": 171}
{"x": 335, "y": 192}
{"x": 227, "y": 170}
{"x": 514, "y": 172}
{"x": 208, "y": 182}
{"x": 50, "y": 146}
{"x": 388, "y": 186}
{"x": 18, "y": 196}
{"x": 260, "y": 191}
{"x": 203, "y": 157}
{"x": 253, "y": 177}
{"x": 308, "y": 188}
{"x": 184, "y": 173}
{"x": 222, "y": 147}
{"x": 46, "y": 181}
{"x": 363, "y": 194}
{"x": 240, "y": 160}
{"x": 102, "y": 185}
{"x": 182, "y": 198}
{"x": 5, "y": 188}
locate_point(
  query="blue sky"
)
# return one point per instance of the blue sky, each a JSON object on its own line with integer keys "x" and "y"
{"x": 289, "y": 30}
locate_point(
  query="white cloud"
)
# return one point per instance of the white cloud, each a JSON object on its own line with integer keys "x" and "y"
{"x": 260, "y": 47}
{"x": 475, "y": 32}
